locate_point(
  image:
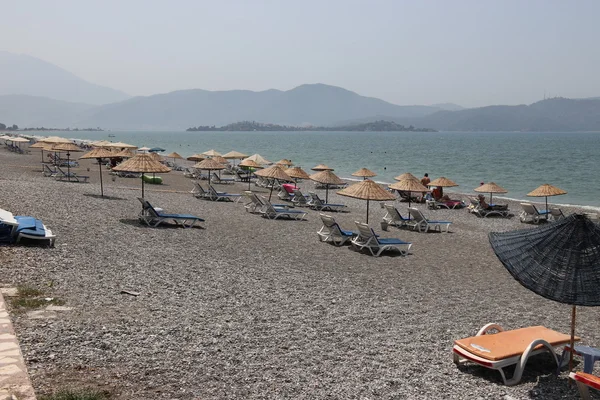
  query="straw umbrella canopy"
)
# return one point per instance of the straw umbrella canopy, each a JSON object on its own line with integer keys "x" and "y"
{"x": 490, "y": 188}
{"x": 142, "y": 163}
{"x": 364, "y": 173}
{"x": 210, "y": 165}
{"x": 5, "y": 137}
{"x": 211, "y": 153}
{"x": 220, "y": 160}
{"x": 247, "y": 164}
{"x": 327, "y": 178}
{"x": 145, "y": 148}
{"x": 235, "y": 155}
{"x": 274, "y": 172}
{"x": 560, "y": 261}
{"x": 196, "y": 157}
{"x": 174, "y": 155}
{"x": 543, "y": 191}
{"x": 42, "y": 146}
{"x": 121, "y": 145}
{"x": 125, "y": 153}
{"x": 99, "y": 153}
{"x": 257, "y": 158}
{"x": 321, "y": 167}
{"x": 68, "y": 147}
{"x": 409, "y": 185}
{"x": 55, "y": 140}
{"x": 442, "y": 182}
{"x": 297, "y": 173}
{"x": 156, "y": 157}
{"x": 285, "y": 162}
{"x": 406, "y": 175}
{"x": 18, "y": 139}
{"x": 367, "y": 190}
{"x": 101, "y": 143}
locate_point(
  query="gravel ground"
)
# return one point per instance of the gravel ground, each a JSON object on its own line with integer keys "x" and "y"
{"x": 253, "y": 308}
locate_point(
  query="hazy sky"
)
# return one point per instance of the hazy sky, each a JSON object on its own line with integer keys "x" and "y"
{"x": 406, "y": 52}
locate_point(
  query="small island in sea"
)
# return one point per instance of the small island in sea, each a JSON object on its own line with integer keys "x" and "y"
{"x": 250, "y": 126}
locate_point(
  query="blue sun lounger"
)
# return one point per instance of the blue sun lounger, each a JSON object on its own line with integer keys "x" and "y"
{"x": 153, "y": 217}
{"x": 367, "y": 238}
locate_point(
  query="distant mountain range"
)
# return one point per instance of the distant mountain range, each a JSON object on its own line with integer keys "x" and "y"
{"x": 35, "y": 93}
{"x": 26, "y": 75}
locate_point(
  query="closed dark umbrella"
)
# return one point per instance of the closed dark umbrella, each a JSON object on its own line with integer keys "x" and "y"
{"x": 559, "y": 261}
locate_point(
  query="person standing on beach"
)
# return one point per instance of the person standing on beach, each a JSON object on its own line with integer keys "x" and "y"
{"x": 425, "y": 180}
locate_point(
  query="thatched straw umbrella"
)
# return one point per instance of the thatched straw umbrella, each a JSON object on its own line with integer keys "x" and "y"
{"x": 142, "y": 163}
{"x": 409, "y": 185}
{"x": 285, "y": 162}
{"x": 209, "y": 165}
{"x": 101, "y": 143}
{"x": 544, "y": 191}
{"x": 235, "y": 155}
{"x": 42, "y": 146}
{"x": 68, "y": 147}
{"x": 490, "y": 188}
{"x": 125, "y": 153}
{"x": 560, "y": 261}
{"x": 196, "y": 157}
{"x": 121, "y": 145}
{"x": 327, "y": 178}
{"x": 364, "y": 173}
{"x": 442, "y": 182}
{"x": 174, "y": 155}
{"x": 274, "y": 172}
{"x": 257, "y": 158}
{"x": 406, "y": 175}
{"x": 321, "y": 167}
{"x": 55, "y": 140}
{"x": 99, "y": 153}
{"x": 220, "y": 160}
{"x": 248, "y": 164}
{"x": 297, "y": 173}
{"x": 211, "y": 153}
{"x": 367, "y": 190}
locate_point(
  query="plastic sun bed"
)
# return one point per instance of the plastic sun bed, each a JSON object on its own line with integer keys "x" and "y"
{"x": 19, "y": 227}
{"x": 584, "y": 382}
{"x": 153, "y": 217}
{"x": 505, "y": 348}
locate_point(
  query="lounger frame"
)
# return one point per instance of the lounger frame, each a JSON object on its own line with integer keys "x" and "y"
{"x": 367, "y": 238}
{"x": 584, "y": 385}
{"x": 423, "y": 224}
{"x": 332, "y": 232}
{"x": 462, "y": 356}
{"x": 153, "y": 218}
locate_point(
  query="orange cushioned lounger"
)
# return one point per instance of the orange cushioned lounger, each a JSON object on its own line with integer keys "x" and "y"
{"x": 584, "y": 382}
{"x": 505, "y": 348}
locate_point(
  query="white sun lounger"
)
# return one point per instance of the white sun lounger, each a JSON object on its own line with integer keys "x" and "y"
{"x": 530, "y": 213}
{"x": 423, "y": 224}
{"x": 332, "y": 232}
{"x": 367, "y": 239}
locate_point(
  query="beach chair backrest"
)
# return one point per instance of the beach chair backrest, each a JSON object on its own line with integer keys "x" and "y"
{"x": 417, "y": 214}
{"x": 328, "y": 221}
{"x": 365, "y": 232}
{"x": 200, "y": 189}
{"x": 393, "y": 212}
{"x": 557, "y": 213}
{"x": 530, "y": 209}
{"x": 148, "y": 207}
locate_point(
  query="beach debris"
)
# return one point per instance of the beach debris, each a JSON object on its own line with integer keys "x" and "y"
{"x": 129, "y": 292}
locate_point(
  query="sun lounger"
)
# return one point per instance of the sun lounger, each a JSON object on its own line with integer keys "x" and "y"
{"x": 393, "y": 217}
{"x": 222, "y": 196}
{"x": 199, "y": 192}
{"x": 332, "y": 232}
{"x": 48, "y": 171}
{"x": 15, "y": 228}
{"x": 496, "y": 209}
{"x": 300, "y": 199}
{"x": 367, "y": 238}
{"x": 530, "y": 213}
{"x": 218, "y": 180}
{"x": 272, "y": 211}
{"x": 254, "y": 205}
{"x": 152, "y": 217}
{"x": 556, "y": 214}
{"x": 423, "y": 224}
{"x": 506, "y": 348}
{"x": 318, "y": 204}
{"x": 450, "y": 204}
{"x": 584, "y": 382}
{"x": 61, "y": 175}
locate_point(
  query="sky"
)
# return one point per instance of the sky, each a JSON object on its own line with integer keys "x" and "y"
{"x": 472, "y": 53}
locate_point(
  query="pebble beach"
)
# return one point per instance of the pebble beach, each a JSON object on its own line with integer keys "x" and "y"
{"x": 250, "y": 308}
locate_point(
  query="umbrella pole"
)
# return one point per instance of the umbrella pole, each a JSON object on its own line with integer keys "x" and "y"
{"x": 546, "y": 208}
{"x": 367, "y": 211}
{"x": 42, "y": 158}
{"x": 271, "y": 193}
{"x": 100, "y": 169}
{"x": 491, "y": 200}
{"x": 409, "y": 197}
{"x": 572, "y": 343}
{"x": 327, "y": 193}
{"x": 142, "y": 185}
{"x": 68, "y": 167}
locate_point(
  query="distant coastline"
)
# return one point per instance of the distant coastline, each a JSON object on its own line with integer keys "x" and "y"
{"x": 251, "y": 126}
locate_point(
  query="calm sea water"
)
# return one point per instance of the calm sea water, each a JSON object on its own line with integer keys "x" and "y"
{"x": 517, "y": 161}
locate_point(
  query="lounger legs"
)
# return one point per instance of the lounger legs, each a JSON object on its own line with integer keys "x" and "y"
{"x": 584, "y": 390}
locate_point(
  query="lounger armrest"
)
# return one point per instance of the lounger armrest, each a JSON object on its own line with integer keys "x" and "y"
{"x": 489, "y": 327}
